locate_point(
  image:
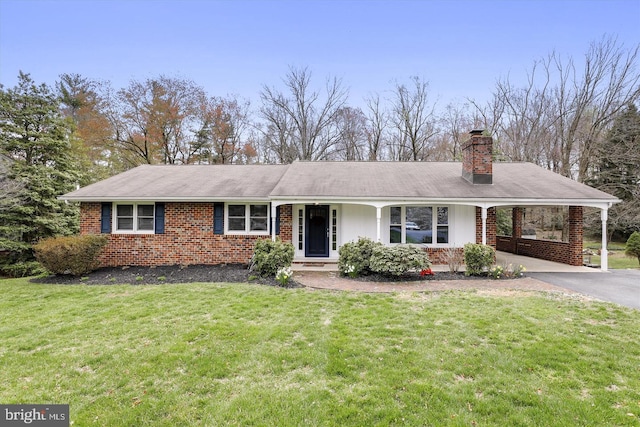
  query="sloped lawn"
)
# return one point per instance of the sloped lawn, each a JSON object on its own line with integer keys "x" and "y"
{"x": 241, "y": 354}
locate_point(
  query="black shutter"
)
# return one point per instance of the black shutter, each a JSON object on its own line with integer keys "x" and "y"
{"x": 218, "y": 218}
{"x": 159, "y": 218}
{"x": 278, "y": 220}
{"x": 105, "y": 218}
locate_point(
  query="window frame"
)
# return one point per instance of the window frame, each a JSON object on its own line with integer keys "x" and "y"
{"x": 248, "y": 219}
{"x": 434, "y": 225}
{"x": 135, "y": 217}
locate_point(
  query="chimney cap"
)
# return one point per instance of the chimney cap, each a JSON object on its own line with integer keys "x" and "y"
{"x": 477, "y": 132}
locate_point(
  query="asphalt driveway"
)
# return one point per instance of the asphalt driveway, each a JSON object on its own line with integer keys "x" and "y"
{"x": 619, "y": 286}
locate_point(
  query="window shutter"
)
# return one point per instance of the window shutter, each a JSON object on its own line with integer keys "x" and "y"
{"x": 105, "y": 218}
{"x": 278, "y": 220}
{"x": 218, "y": 218}
{"x": 159, "y": 218}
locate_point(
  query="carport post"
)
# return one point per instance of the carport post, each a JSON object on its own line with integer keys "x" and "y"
{"x": 484, "y": 225}
{"x": 604, "y": 256}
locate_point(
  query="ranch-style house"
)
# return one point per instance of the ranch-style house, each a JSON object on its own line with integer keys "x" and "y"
{"x": 213, "y": 214}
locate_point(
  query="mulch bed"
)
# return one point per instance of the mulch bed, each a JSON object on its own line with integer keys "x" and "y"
{"x": 227, "y": 273}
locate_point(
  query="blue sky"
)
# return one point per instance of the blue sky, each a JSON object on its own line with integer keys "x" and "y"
{"x": 236, "y": 47}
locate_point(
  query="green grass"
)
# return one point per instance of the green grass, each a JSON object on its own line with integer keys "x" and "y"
{"x": 617, "y": 258}
{"x": 216, "y": 354}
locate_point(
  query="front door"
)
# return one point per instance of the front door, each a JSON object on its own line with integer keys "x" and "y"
{"x": 317, "y": 231}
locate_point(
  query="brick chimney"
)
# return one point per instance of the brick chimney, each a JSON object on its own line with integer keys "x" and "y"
{"x": 477, "y": 165}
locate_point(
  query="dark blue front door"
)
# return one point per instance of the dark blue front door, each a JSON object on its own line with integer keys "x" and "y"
{"x": 317, "y": 231}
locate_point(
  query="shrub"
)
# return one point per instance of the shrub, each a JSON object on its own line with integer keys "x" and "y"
{"x": 478, "y": 258}
{"x": 76, "y": 255}
{"x": 454, "y": 258}
{"x": 632, "y": 249}
{"x": 507, "y": 271}
{"x": 355, "y": 257}
{"x": 397, "y": 260}
{"x": 270, "y": 256}
{"x": 24, "y": 269}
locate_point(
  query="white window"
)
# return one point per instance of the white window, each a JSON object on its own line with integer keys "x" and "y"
{"x": 134, "y": 218}
{"x": 419, "y": 224}
{"x": 247, "y": 218}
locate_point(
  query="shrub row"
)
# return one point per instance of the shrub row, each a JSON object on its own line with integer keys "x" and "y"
{"x": 366, "y": 256}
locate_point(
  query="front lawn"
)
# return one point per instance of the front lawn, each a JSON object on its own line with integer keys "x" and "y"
{"x": 219, "y": 354}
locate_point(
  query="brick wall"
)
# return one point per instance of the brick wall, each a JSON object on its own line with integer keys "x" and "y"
{"x": 188, "y": 238}
{"x": 286, "y": 223}
{"x": 440, "y": 256}
{"x": 564, "y": 252}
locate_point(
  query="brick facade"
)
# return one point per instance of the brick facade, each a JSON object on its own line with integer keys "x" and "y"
{"x": 188, "y": 239}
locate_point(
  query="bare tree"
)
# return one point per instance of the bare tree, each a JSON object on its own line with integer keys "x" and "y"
{"x": 455, "y": 124}
{"x": 301, "y": 125}
{"x": 413, "y": 117}
{"x": 376, "y": 128}
{"x": 560, "y": 116}
{"x": 351, "y": 144}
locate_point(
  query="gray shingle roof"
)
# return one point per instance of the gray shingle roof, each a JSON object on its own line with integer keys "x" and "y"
{"x": 338, "y": 180}
{"x": 189, "y": 182}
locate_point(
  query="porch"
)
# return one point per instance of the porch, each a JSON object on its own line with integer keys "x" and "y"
{"x": 533, "y": 265}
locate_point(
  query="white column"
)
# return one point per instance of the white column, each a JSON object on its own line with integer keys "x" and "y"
{"x": 604, "y": 255}
{"x": 273, "y": 221}
{"x": 378, "y": 221}
{"x": 484, "y": 225}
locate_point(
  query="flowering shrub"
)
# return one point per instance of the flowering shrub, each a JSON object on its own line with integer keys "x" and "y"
{"x": 398, "y": 260}
{"x": 350, "y": 270}
{"x": 508, "y": 271}
{"x": 355, "y": 257}
{"x": 496, "y": 272}
{"x": 427, "y": 272}
{"x": 283, "y": 275}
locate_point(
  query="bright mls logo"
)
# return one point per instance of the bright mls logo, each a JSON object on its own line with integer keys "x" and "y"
{"x": 34, "y": 415}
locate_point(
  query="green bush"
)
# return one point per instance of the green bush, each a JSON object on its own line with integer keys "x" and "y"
{"x": 355, "y": 256}
{"x": 23, "y": 269}
{"x": 478, "y": 258}
{"x": 74, "y": 255}
{"x": 270, "y": 256}
{"x": 397, "y": 260}
{"x": 632, "y": 249}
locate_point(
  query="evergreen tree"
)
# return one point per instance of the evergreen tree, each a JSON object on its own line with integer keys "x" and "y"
{"x": 617, "y": 171}
{"x": 37, "y": 167}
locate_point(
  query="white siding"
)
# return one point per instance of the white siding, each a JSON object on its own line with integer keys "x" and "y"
{"x": 463, "y": 225}
{"x": 356, "y": 221}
